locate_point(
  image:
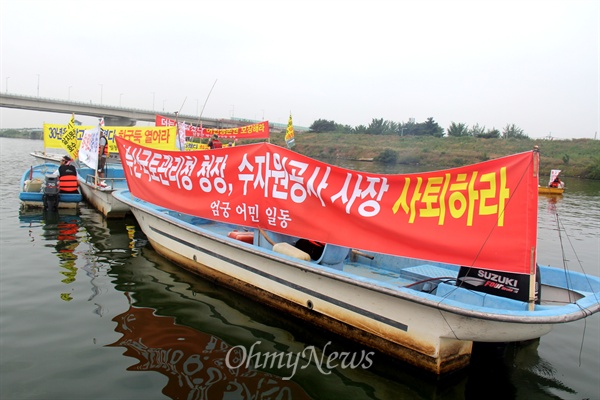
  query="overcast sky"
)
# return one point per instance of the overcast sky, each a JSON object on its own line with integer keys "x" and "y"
{"x": 531, "y": 63}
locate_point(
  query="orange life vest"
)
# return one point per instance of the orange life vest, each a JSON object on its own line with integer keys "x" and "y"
{"x": 105, "y": 146}
{"x": 68, "y": 183}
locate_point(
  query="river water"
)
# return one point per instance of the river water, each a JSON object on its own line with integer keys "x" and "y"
{"x": 89, "y": 311}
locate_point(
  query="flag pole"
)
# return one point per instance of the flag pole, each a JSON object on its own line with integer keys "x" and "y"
{"x": 204, "y": 105}
{"x": 98, "y": 157}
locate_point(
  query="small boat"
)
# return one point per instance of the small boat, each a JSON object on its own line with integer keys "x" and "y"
{"x": 47, "y": 157}
{"x": 98, "y": 192}
{"x": 417, "y": 266}
{"x": 555, "y": 185}
{"x": 40, "y": 190}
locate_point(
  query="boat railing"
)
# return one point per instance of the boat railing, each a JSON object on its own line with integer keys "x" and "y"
{"x": 91, "y": 180}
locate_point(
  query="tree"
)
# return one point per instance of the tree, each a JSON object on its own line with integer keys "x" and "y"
{"x": 489, "y": 134}
{"x": 512, "y": 131}
{"x": 378, "y": 127}
{"x": 477, "y": 130}
{"x": 322, "y": 125}
{"x": 459, "y": 129}
{"x": 432, "y": 128}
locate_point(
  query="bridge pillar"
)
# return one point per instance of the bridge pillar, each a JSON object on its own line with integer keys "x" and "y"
{"x": 119, "y": 121}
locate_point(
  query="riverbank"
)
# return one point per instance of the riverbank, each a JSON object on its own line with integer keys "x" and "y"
{"x": 576, "y": 157}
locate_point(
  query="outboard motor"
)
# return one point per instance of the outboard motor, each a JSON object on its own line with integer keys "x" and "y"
{"x": 51, "y": 195}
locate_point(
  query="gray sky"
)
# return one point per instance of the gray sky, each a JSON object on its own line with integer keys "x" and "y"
{"x": 532, "y": 63}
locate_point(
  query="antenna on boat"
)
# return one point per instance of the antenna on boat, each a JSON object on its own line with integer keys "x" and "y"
{"x": 206, "y": 101}
{"x": 177, "y": 113}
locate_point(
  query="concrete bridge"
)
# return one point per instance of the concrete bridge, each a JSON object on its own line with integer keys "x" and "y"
{"x": 113, "y": 116}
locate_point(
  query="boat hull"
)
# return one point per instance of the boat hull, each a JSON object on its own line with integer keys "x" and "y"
{"x": 101, "y": 198}
{"x": 415, "y": 327}
{"x": 550, "y": 190}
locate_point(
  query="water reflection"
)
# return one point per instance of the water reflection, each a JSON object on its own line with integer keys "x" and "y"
{"x": 62, "y": 228}
{"x": 177, "y": 317}
{"x": 194, "y": 362}
{"x": 515, "y": 370}
{"x": 180, "y": 326}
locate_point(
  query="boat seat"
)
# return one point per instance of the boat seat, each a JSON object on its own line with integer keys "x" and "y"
{"x": 333, "y": 256}
{"x": 430, "y": 271}
{"x": 34, "y": 185}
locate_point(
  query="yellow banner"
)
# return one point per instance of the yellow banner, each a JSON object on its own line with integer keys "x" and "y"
{"x": 53, "y": 135}
{"x": 156, "y": 137}
{"x": 193, "y": 146}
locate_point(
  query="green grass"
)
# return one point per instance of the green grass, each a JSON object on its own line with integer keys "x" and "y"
{"x": 576, "y": 157}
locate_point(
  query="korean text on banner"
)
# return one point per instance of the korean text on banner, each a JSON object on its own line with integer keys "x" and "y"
{"x": 53, "y": 135}
{"x": 262, "y": 185}
{"x": 88, "y": 150}
{"x": 69, "y": 139}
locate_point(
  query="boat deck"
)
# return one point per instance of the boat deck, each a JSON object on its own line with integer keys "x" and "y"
{"x": 401, "y": 277}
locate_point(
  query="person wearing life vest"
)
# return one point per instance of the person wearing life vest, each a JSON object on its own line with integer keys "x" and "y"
{"x": 214, "y": 143}
{"x": 67, "y": 176}
{"x": 556, "y": 183}
{"x": 102, "y": 153}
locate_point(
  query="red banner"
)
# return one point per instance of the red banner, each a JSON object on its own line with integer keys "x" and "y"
{"x": 483, "y": 215}
{"x": 254, "y": 131}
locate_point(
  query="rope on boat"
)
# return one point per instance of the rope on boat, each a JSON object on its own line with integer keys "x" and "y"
{"x": 561, "y": 228}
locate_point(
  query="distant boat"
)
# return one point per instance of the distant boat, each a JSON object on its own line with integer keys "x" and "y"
{"x": 418, "y": 266}
{"x": 39, "y": 190}
{"x": 555, "y": 185}
{"x": 47, "y": 157}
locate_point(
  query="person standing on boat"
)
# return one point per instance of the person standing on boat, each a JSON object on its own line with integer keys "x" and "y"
{"x": 67, "y": 175}
{"x": 102, "y": 154}
{"x": 214, "y": 143}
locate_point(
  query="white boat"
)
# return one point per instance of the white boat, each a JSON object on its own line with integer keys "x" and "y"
{"x": 358, "y": 275}
{"x": 47, "y": 157}
{"x": 100, "y": 195}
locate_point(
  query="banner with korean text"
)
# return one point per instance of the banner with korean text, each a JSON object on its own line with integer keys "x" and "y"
{"x": 483, "y": 215}
{"x": 187, "y": 130}
{"x": 259, "y": 130}
{"x": 157, "y": 137}
{"x": 53, "y": 134}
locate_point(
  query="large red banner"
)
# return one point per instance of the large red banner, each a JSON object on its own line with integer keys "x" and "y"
{"x": 483, "y": 215}
{"x": 259, "y": 130}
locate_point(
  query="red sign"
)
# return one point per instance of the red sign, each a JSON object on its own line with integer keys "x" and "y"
{"x": 254, "y": 131}
{"x": 483, "y": 215}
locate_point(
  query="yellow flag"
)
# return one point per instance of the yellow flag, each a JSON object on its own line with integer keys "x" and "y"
{"x": 289, "y": 134}
{"x": 69, "y": 139}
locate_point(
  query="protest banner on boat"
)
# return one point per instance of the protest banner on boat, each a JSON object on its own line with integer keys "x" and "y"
{"x": 187, "y": 130}
{"x": 263, "y": 185}
{"x": 258, "y": 130}
{"x": 553, "y": 175}
{"x": 193, "y": 146}
{"x": 53, "y": 134}
{"x": 157, "y": 137}
{"x": 88, "y": 149}
{"x": 69, "y": 139}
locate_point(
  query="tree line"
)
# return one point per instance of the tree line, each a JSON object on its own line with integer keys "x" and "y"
{"x": 426, "y": 128}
